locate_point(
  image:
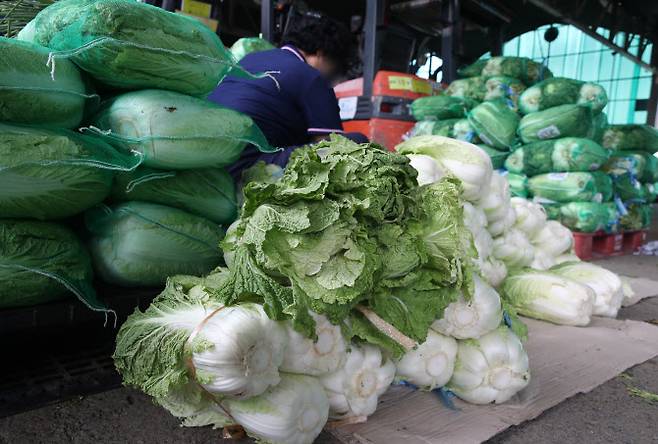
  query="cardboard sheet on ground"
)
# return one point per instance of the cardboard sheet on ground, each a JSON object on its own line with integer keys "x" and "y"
{"x": 643, "y": 288}
{"x": 564, "y": 361}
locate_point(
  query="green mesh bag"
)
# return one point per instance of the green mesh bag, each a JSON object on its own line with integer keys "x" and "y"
{"x": 559, "y": 121}
{"x": 28, "y": 94}
{"x": 636, "y": 217}
{"x": 497, "y": 157}
{"x": 562, "y": 91}
{"x": 557, "y": 155}
{"x": 470, "y": 88}
{"x": 434, "y": 128}
{"x": 132, "y": 45}
{"x": 522, "y": 68}
{"x": 495, "y": 124}
{"x": 589, "y": 217}
{"x": 42, "y": 262}
{"x": 440, "y": 107}
{"x": 507, "y": 88}
{"x": 604, "y": 185}
{"x": 599, "y": 125}
{"x": 52, "y": 174}
{"x": 631, "y": 137}
{"x": 628, "y": 188}
{"x": 247, "y": 45}
{"x": 208, "y": 192}
{"x": 552, "y": 210}
{"x": 463, "y": 130}
{"x": 175, "y": 131}
{"x": 138, "y": 244}
{"x": 564, "y": 187}
{"x": 518, "y": 184}
{"x": 650, "y": 191}
{"x": 472, "y": 70}
{"x": 641, "y": 165}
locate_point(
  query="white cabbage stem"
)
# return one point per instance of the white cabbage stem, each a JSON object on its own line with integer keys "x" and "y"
{"x": 472, "y": 317}
{"x": 427, "y": 168}
{"x": 354, "y": 389}
{"x": 244, "y": 353}
{"x": 386, "y": 328}
{"x": 554, "y": 239}
{"x": 499, "y": 227}
{"x": 293, "y": 412}
{"x": 431, "y": 364}
{"x": 530, "y": 216}
{"x": 514, "y": 249}
{"x": 545, "y": 295}
{"x": 490, "y": 369}
{"x": 309, "y": 357}
{"x": 607, "y": 286}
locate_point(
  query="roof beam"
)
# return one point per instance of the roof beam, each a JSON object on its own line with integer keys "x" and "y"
{"x": 593, "y": 34}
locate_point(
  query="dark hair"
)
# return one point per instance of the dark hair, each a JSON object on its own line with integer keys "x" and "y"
{"x": 326, "y": 35}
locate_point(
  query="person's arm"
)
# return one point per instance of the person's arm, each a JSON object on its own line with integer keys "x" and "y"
{"x": 320, "y": 108}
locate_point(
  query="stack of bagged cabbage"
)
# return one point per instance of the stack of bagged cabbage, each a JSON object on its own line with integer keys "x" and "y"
{"x": 344, "y": 276}
{"x": 482, "y": 107}
{"x": 527, "y": 257}
{"x": 90, "y": 90}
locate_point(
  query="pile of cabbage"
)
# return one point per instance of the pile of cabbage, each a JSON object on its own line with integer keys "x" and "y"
{"x": 527, "y": 257}
{"x": 138, "y": 174}
{"x": 343, "y": 277}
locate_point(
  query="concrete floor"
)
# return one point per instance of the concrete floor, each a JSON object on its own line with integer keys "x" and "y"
{"x": 607, "y": 414}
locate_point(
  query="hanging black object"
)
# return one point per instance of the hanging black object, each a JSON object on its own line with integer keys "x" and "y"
{"x": 551, "y": 34}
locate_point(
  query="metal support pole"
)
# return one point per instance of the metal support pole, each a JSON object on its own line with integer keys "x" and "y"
{"x": 497, "y": 41}
{"x": 373, "y": 11}
{"x": 652, "y": 105}
{"x": 450, "y": 37}
{"x": 169, "y": 5}
{"x": 267, "y": 20}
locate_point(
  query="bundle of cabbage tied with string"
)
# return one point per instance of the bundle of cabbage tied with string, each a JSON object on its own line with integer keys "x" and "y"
{"x": 344, "y": 275}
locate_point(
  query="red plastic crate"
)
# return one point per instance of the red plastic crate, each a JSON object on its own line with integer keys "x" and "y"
{"x": 582, "y": 244}
{"x": 608, "y": 244}
{"x": 634, "y": 240}
{"x": 600, "y": 244}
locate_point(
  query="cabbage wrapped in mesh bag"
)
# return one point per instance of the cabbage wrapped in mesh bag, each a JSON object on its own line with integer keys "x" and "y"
{"x": 628, "y": 188}
{"x": 440, "y": 107}
{"x": 637, "y": 217}
{"x": 507, "y": 88}
{"x": 55, "y": 173}
{"x": 564, "y": 187}
{"x": 631, "y": 137}
{"x": 640, "y": 164}
{"x": 558, "y": 91}
{"x": 650, "y": 192}
{"x": 140, "y": 244}
{"x": 495, "y": 123}
{"x": 497, "y": 157}
{"x": 434, "y": 128}
{"x": 42, "y": 262}
{"x": 589, "y": 217}
{"x": 463, "y": 130}
{"x": 557, "y": 155}
{"x": 468, "y": 88}
{"x": 247, "y": 45}
{"x": 522, "y": 68}
{"x": 132, "y": 45}
{"x": 175, "y": 131}
{"x": 474, "y": 69}
{"x": 29, "y": 95}
{"x": 604, "y": 185}
{"x": 518, "y": 184}
{"x": 559, "y": 121}
{"x": 208, "y": 192}
{"x": 599, "y": 125}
